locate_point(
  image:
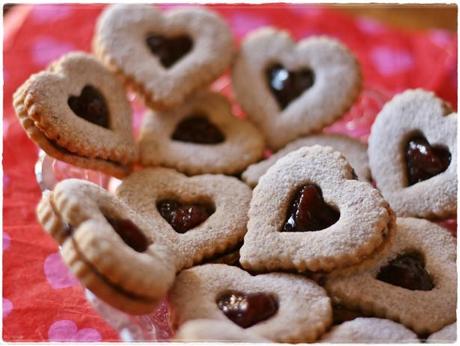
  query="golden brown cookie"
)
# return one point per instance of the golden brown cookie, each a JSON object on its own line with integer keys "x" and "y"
{"x": 414, "y": 283}
{"x": 164, "y": 56}
{"x": 308, "y": 213}
{"x": 77, "y": 111}
{"x": 200, "y": 136}
{"x": 413, "y": 155}
{"x": 278, "y": 306}
{"x": 291, "y": 89}
{"x": 114, "y": 253}
{"x": 201, "y": 216}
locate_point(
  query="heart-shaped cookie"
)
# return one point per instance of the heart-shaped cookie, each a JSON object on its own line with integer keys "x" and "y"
{"x": 309, "y": 213}
{"x": 277, "y": 306}
{"x": 353, "y": 150}
{"x": 290, "y": 90}
{"x": 413, "y": 155}
{"x": 113, "y": 252}
{"x": 77, "y": 112}
{"x": 164, "y": 56}
{"x": 414, "y": 282}
{"x": 201, "y": 216}
{"x": 369, "y": 330}
{"x": 201, "y": 136}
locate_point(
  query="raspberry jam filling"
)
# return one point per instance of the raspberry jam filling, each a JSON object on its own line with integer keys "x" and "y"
{"x": 91, "y": 106}
{"x": 407, "y": 271}
{"x": 247, "y": 310}
{"x": 197, "y": 129}
{"x": 309, "y": 212}
{"x": 423, "y": 160}
{"x": 287, "y": 85}
{"x": 129, "y": 233}
{"x": 183, "y": 217}
{"x": 169, "y": 49}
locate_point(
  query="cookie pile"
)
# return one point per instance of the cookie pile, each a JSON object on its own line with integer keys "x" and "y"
{"x": 314, "y": 252}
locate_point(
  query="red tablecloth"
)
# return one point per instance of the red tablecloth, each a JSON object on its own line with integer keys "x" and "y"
{"x": 41, "y": 300}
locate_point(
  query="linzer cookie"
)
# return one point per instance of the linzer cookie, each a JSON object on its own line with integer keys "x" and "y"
{"x": 200, "y": 136}
{"x": 413, "y": 155}
{"x": 114, "y": 253}
{"x": 370, "y": 330}
{"x": 446, "y": 334}
{"x": 164, "y": 56}
{"x": 291, "y": 89}
{"x": 415, "y": 283}
{"x": 202, "y": 216}
{"x": 278, "y": 306}
{"x": 216, "y": 330}
{"x": 77, "y": 112}
{"x": 353, "y": 150}
{"x": 308, "y": 213}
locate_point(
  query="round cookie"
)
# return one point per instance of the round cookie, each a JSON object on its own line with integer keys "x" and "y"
{"x": 164, "y": 56}
{"x": 413, "y": 155}
{"x": 108, "y": 247}
{"x": 201, "y": 216}
{"x": 215, "y": 330}
{"x": 446, "y": 334}
{"x": 278, "y": 306}
{"x": 353, "y": 150}
{"x": 290, "y": 89}
{"x": 413, "y": 283}
{"x": 308, "y": 213}
{"x": 200, "y": 136}
{"x": 370, "y": 330}
{"x": 78, "y": 112}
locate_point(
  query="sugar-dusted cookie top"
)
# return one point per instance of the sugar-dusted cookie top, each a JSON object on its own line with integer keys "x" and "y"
{"x": 414, "y": 282}
{"x": 353, "y": 150}
{"x": 200, "y": 136}
{"x": 291, "y": 89}
{"x": 201, "y": 216}
{"x": 369, "y": 330}
{"x": 413, "y": 154}
{"x": 77, "y": 111}
{"x": 308, "y": 212}
{"x": 167, "y": 55}
{"x": 109, "y": 248}
{"x": 281, "y": 307}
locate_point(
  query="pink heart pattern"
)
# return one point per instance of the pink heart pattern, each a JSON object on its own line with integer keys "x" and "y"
{"x": 7, "y": 307}
{"x": 67, "y": 330}
{"x": 56, "y": 272}
{"x": 391, "y": 61}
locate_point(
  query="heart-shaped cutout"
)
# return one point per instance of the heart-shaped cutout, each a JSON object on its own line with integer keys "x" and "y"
{"x": 261, "y": 304}
{"x": 103, "y": 240}
{"x": 200, "y": 136}
{"x": 305, "y": 191}
{"x": 169, "y": 50}
{"x": 183, "y": 50}
{"x": 413, "y": 155}
{"x": 407, "y": 271}
{"x": 290, "y": 89}
{"x": 184, "y": 216}
{"x": 196, "y": 128}
{"x": 247, "y": 310}
{"x": 77, "y": 111}
{"x": 423, "y": 160}
{"x": 287, "y": 85}
{"x": 412, "y": 280}
{"x": 308, "y": 211}
{"x": 91, "y": 106}
{"x": 161, "y": 195}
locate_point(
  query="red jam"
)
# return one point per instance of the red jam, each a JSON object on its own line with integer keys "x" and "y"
{"x": 91, "y": 106}
{"x": 129, "y": 233}
{"x": 197, "y": 129}
{"x": 183, "y": 217}
{"x": 169, "y": 49}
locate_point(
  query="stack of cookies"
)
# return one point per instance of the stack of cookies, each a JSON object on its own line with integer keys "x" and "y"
{"x": 297, "y": 247}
